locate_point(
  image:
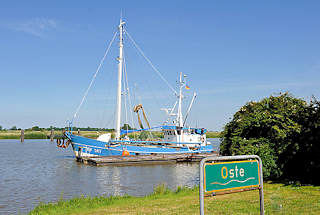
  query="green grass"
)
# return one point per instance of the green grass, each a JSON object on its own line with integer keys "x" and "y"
{"x": 27, "y": 134}
{"x": 42, "y": 134}
{"x": 213, "y": 134}
{"x": 35, "y": 135}
{"x": 279, "y": 199}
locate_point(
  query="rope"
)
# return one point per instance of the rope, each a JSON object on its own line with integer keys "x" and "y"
{"x": 128, "y": 93}
{"x": 125, "y": 90}
{"x": 150, "y": 63}
{"x": 93, "y": 78}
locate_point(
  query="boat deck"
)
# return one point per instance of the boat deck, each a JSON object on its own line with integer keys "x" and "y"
{"x": 144, "y": 159}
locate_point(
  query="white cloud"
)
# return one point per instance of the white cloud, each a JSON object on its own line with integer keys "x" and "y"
{"x": 36, "y": 26}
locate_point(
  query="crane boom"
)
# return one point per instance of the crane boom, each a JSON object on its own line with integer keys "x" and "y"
{"x": 136, "y": 110}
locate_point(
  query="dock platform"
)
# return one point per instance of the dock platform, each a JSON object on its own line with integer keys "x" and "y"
{"x": 144, "y": 159}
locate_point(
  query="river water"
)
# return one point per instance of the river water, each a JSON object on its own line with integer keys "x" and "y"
{"x": 37, "y": 171}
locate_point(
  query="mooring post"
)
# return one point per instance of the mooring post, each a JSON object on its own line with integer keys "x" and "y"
{"x": 78, "y": 131}
{"x": 22, "y": 136}
{"x": 51, "y": 135}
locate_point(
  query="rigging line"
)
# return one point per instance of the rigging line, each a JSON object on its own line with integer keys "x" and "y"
{"x": 111, "y": 118}
{"x": 150, "y": 63}
{"x": 125, "y": 92}
{"x": 106, "y": 103}
{"x": 128, "y": 91}
{"x": 134, "y": 100}
{"x": 94, "y": 77}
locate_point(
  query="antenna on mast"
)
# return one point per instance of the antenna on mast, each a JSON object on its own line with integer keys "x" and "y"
{"x": 180, "y": 97}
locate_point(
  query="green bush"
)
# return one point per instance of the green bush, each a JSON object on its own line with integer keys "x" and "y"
{"x": 143, "y": 135}
{"x": 282, "y": 130}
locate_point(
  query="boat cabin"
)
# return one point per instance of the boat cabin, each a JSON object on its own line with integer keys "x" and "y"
{"x": 185, "y": 135}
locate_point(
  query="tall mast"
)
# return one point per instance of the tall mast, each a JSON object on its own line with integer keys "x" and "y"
{"x": 179, "y": 117}
{"x": 120, "y": 59}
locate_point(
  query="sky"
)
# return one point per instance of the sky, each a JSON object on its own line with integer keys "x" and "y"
{"x": 232, "y": 52}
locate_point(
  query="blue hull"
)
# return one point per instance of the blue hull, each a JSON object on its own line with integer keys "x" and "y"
{"x": 84, "y": 147}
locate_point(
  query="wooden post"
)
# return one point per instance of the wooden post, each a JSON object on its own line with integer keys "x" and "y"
{"x": 63, "y": 131}
{"x": 78, "y": 131}
{"x": 22, "y": 136}
{"x": 51, "y": 135}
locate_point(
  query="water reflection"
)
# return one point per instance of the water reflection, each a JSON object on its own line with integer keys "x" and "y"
{"x": 37, "y": 170}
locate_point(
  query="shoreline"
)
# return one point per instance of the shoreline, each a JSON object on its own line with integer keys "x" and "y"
{"x": 14, "y": 135}
{"x": 279, "y": 198}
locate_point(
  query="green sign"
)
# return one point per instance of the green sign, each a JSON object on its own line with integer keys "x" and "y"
{"x": 231, "y": 175}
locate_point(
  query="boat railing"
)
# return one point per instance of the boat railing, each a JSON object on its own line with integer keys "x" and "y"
{"x": 152, "y": 142}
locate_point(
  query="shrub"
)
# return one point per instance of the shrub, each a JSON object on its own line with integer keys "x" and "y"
{"x": 282, "y": 130}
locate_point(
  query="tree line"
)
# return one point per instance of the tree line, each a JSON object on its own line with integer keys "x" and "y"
{"x": 37, "y": 128}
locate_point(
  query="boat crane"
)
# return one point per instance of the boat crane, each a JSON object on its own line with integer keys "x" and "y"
{"x": 136, "y": 110}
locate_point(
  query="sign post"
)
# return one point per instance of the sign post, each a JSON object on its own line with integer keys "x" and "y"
{"x": 228, "y": 173}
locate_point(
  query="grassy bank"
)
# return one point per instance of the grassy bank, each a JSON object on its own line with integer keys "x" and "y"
{"x": 279, "y": 199}
{"x": 213, "y": 134}
{"x": 42, "y": 134}
{"x": 27, "y": 134}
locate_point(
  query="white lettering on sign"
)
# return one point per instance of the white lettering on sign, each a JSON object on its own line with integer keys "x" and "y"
{"x": 232, "y": 172}
{"x": 241, "y": 172}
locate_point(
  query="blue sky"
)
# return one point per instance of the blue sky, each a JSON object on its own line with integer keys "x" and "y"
{"x": 232, "y": 51}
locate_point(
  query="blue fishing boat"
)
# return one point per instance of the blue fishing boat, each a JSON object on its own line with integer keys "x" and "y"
{"x": 177, "y": 138}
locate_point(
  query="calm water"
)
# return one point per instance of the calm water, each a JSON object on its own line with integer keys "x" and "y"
{"x": 38, "y": 171}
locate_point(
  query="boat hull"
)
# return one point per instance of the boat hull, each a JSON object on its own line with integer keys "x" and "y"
{"x": 86, "y": 147}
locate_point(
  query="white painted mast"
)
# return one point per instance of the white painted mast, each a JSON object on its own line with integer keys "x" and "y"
{"x": 120, "y": 59}
{"x": 179, "y": 117}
